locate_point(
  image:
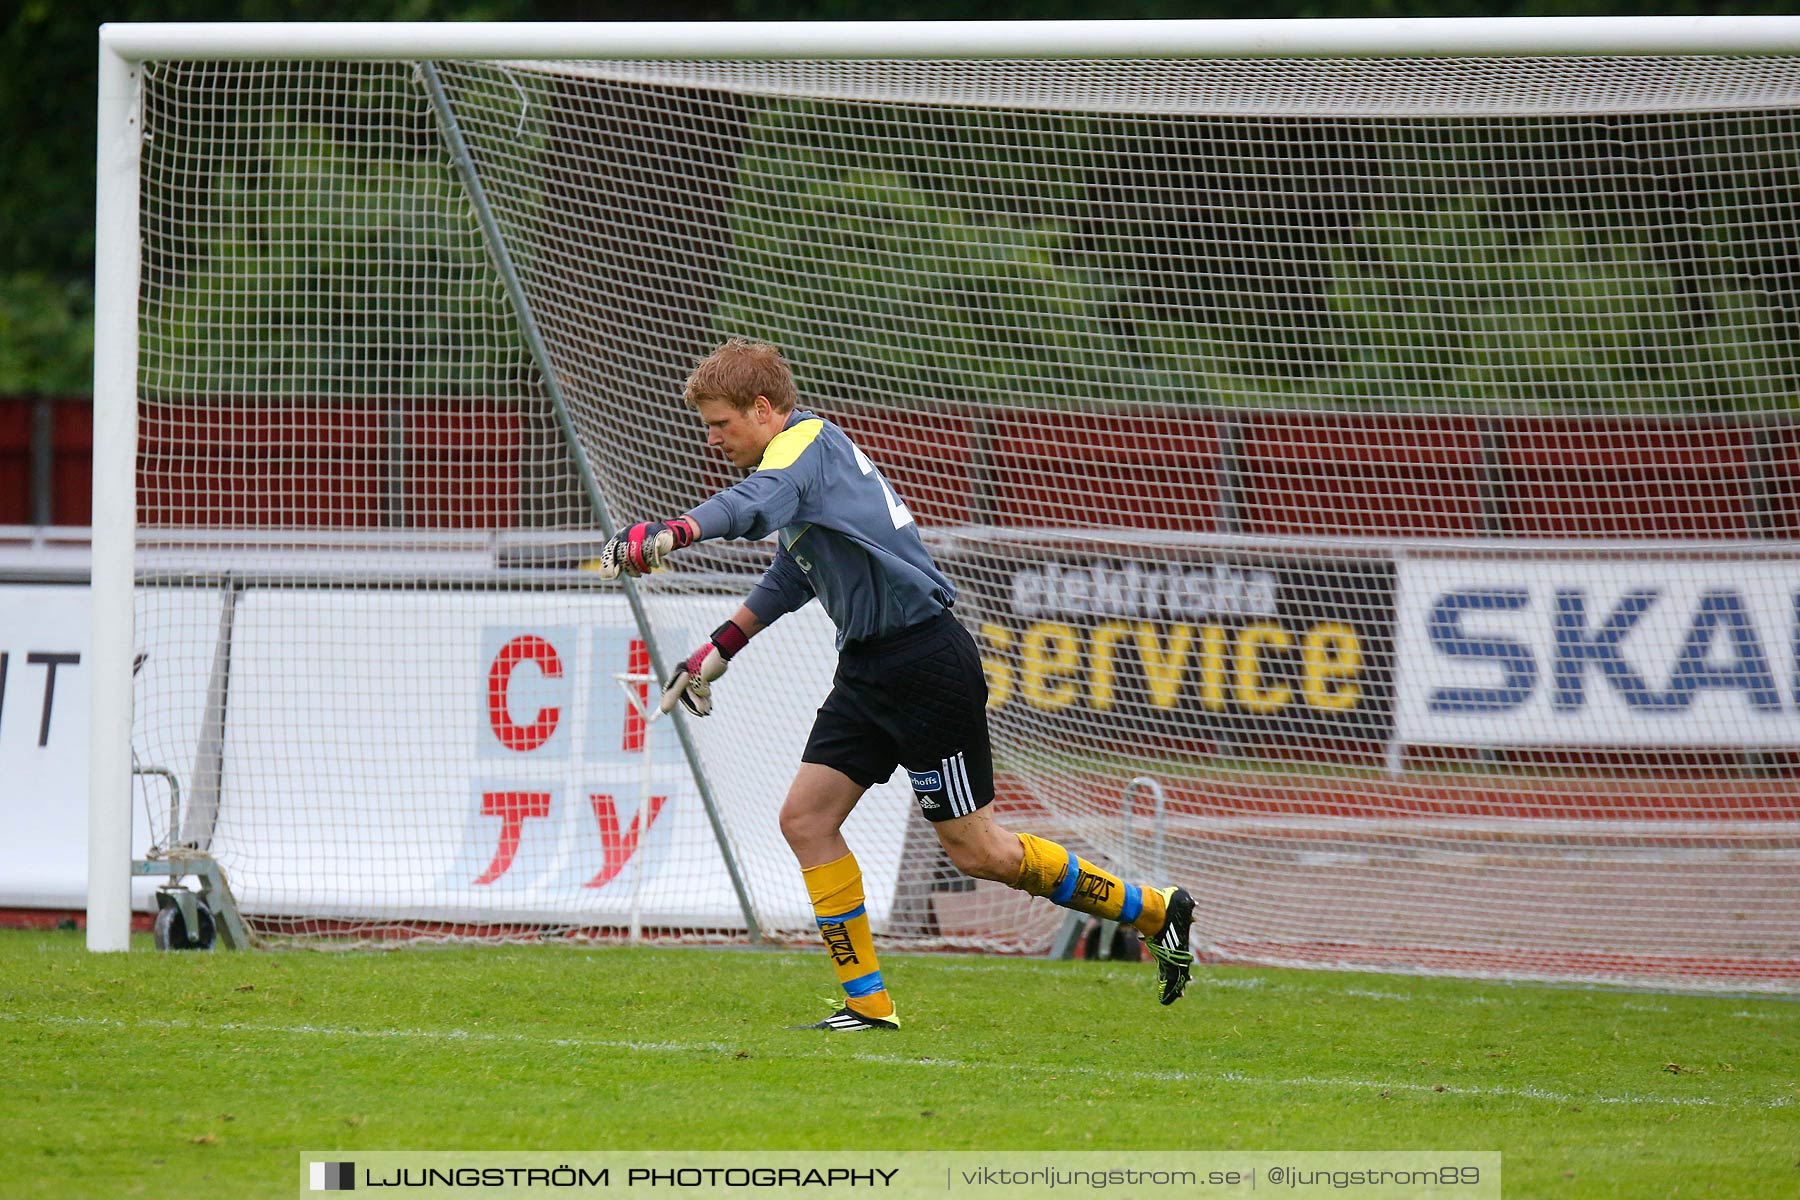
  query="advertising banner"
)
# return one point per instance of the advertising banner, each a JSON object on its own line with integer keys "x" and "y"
{"x": 473, "y": 757}
{"x": 44, "y": 749}
{"x": 1195, "y": 649}
{"x": 423, "y": 755}
{"x": 1554, "y": 652}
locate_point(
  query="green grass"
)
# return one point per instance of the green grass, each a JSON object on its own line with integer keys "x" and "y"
{"x": 205, "y": 1074}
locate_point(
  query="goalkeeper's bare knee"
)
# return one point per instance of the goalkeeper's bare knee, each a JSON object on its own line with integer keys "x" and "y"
{"x": 980, "y": 848}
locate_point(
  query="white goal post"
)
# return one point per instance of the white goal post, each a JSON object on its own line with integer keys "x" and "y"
{"x": 1368, "y": 453}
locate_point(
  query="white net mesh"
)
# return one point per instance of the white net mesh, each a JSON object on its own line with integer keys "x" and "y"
{"x": 1372, "y": 485}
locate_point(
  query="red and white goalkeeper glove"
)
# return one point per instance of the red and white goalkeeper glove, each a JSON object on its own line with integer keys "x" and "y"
{"x": 643, "y": 547}
{"x": 691, "y": 684}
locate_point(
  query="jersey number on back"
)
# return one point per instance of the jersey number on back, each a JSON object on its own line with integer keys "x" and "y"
{"x": 896, "y": 508}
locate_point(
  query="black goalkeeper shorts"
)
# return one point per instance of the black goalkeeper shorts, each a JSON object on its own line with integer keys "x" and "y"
{"x": 916, "y": 699}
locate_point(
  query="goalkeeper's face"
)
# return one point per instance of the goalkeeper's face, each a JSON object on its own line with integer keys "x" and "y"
{"x": 741, "y": 434}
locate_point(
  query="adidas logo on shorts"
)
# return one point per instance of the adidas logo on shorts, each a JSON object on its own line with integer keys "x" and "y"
{"x": 944, "y": 788}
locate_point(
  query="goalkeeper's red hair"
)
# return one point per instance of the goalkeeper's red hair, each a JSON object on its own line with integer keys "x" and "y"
{"x": 738, "y": 372}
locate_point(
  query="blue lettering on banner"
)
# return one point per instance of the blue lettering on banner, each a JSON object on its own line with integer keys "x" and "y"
{"x": 926, "y": 781}
{"x": 1722, "y": 650}
{"x": 1576, "y": 648}
{"x": 1749, "y": 670}
{"x": 1694, "y": 671}
{"x": 1512, "y": 656}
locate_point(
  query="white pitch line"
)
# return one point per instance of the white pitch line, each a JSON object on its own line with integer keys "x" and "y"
{"x": 438, "y": 1035}
{"x": 1524, "y": 996}
{"x": 1355, "y": 1084}
{"x": 951, "y": 1064}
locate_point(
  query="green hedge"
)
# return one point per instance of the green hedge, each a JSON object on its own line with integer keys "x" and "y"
{"x": 336, "y": 274}
{"x": 1451, "y": 297}
{"x": 339, "y": 273}
{"x": 46, "y": 336}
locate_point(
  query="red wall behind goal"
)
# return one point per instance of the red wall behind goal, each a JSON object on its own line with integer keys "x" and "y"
{"x": 463, "y": 465}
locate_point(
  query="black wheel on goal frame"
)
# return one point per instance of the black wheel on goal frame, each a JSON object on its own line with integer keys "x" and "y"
{"x": 171, "y": 930}
{"x": 1125, "y": 945}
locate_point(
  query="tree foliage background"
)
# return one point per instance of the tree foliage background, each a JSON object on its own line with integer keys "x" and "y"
{"x": 47, "y": 86}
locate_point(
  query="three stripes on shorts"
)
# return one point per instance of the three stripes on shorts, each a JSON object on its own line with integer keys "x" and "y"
{"x": 956, "y": 785}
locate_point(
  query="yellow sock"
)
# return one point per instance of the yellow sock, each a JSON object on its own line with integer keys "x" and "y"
{"x": 1074, "y": 882}
{"x": 837, "y": 898}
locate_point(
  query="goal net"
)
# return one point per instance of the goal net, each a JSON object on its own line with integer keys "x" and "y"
{"x": 1373, "y": 483}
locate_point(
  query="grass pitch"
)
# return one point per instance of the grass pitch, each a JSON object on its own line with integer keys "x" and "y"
{"x": 204, "y": 1074}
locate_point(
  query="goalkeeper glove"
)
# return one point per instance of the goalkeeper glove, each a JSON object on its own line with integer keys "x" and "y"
{"x": 644, "y": 547}
{"x": 691, "y": 684}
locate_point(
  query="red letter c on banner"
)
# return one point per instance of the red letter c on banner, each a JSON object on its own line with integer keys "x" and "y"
{"x": 523, "y": 738}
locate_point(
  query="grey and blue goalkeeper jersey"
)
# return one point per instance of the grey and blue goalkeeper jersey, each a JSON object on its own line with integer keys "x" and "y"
{"x": 844, "y": 536}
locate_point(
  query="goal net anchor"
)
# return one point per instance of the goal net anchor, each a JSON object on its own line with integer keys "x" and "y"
{"x": 188, "y": 918}
{"x": 194, "y": 918}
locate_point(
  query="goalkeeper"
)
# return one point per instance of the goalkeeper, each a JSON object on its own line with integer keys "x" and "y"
{"x": 909, "y": 688}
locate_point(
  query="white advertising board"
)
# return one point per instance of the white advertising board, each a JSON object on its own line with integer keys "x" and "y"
{"x": 1554, "y": 652}
{"x": 427, "y": 755}
{"x": 43, "y": 748}
{"x": 470, "y": 757}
